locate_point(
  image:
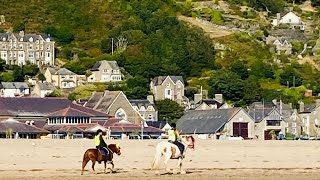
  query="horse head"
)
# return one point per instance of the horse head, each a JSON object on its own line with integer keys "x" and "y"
{"x": 190, "y": 142}
{"x": 115, "y": 148}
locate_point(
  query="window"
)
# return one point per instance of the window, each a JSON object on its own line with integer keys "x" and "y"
{"x": 47, "y": 54}
{"x": 37, "y": 54}
{"x": 21, "y": 47}
{"x": 294, "y": 130}
{"x": 31, "y": 54}
{"x": 37, "y": 47}
{"x": 41, "y": 47}
{"x": 168, "y": 92}
{"x": 21, "y": 54}
{"x": 30, "y": 46}
{"x": 273, "y": 123}
{"x": 106, "y": 70}
{"x": 41, "y": 54}
{"x": 294, "y": 124}
{"x": 63, "y": 77}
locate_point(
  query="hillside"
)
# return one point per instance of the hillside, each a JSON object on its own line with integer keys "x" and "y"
{"x": 219, "y": 45}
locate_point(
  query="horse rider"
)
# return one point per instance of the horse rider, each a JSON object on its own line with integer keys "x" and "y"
{"x": 100, "y": 143}
{"x": 174, "y": 136}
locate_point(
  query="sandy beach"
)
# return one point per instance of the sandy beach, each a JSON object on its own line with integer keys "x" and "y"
{"x": 61, "y": 159}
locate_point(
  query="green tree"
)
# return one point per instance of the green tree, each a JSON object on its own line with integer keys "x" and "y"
{"x": 19, "y": 25}
{"x": 262, "y": 70}
{"x": 30, "y": 70}
{"x": 315, "y": 2}
{"x": 252, "y": 90}
{"x": 169, "y": 109}
{"x": 291, "y": 77}
{"x": 55, "y": 93}
{"x": 2, "y": 65}
{"x": 18, "y": 74}
{"x": 239, "y": 68}
{"x": 227, "y": 83}
{"x": 41, "y": 77}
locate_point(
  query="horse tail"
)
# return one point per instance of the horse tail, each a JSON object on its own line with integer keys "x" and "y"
{"x": 157, "y": 157}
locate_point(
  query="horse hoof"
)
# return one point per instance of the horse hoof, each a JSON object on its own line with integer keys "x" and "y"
{"x": 157, "y": 173}
{"x": 183, "y": 172}
{"x": 174, "y": 172}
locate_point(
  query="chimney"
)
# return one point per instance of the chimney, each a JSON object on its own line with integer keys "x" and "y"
{"x": 274, "y": 101}
{"x": 21, "y": 33}
{"x": 150, "y": 99}
{"x": 218, "y": 97}
{"x": 290, "y": 105}
{"x": 197, "y": 98}
{"x": 301, "y": 107}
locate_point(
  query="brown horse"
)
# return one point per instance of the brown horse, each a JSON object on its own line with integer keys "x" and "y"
{"x": 94, "y": 155}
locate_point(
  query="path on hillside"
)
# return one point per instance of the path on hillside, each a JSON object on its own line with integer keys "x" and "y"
{"x": 309, "y": 60}
{"x": 213, "y": 30}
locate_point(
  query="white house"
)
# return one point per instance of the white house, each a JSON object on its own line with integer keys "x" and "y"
{"x": 14, "y": 89}
{"x": 105, "y": 71}
{"x": 42, "y": 89}
{"x": 290, "y": 18}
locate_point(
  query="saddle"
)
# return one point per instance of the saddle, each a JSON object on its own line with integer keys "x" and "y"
{"x": 105, "y": 152}
{"x": 180, "y": 147}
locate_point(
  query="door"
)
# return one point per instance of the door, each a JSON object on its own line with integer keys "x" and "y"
{"x": 268, "y": 135}
{"x": 240, "y": 129}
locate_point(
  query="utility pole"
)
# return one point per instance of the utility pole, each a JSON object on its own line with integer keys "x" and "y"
{"x": 112, "y": 46}
{"x": 294, "y": 83}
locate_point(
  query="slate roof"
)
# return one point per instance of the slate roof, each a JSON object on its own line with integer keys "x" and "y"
{"x": 141, "y": 102}
{"x": 52, "y": 70}
{"x": 209, "y": 102}
{"x": 32, "y": 106}
{"x": 46, "y": 86}
{"x": 309, "y": 108}
{"x": 70, "y": 112}
{"x": 159, "y": 79}
{"x": 14, "y": 85}
{"x": 112, "y": 64}
{"x": 64, "y": 71}
{"x": 205, "y": 121}
{"x": 101, "y": 101}
{"x": 19, "y": 127}
{"x": 156, "y": 124}
{"x": 26, "y": 36}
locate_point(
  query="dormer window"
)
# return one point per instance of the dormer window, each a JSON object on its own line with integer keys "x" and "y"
{"x": 4, "y": 39}
{"x": 37, "y": 41}
{"x": 48, "y": 39}
{"x": 31, "y": 39}
{"x": 21, "y": 39}
{"x": 168, "y": 84}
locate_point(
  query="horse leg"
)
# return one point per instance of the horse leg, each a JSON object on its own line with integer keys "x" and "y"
{"x": 84, "y": 163}
{"x": 178, "y": 166}
{"x": 181, "y": 169}
{"x": 167, "y": 157}
{"x": 93, "y": 163}
{"x": 112, "y": 166}
{"x": 105, "y": 167}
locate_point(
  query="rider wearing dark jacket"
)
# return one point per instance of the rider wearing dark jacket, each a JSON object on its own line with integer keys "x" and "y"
{"x": 99, "y": 142}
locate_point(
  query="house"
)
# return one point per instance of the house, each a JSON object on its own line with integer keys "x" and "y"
{"x": 20, "y": 49}
{"x": 14, "y": 89}
{"x": 62, "y": 78}
{"x": 267, "y": 119}
{"x": 309, "y": 114}
{"x": 168, "y": 87}
{"x": 283, "y": 45}
{"x": 217, "y": 123}
{"x": 114, "y": 103}
{"x": 291, "y": 19}
{"x": 41, "y": 89}
{"x": 48, "y": 113}
{"x": 105, "y": 71}
{"x": 294, "y": 124}
{"x": 11, "y": 128}
{"x": 205, "y": 104}
{"x": 163, "y": 125}
{"x": 146, "y": 108}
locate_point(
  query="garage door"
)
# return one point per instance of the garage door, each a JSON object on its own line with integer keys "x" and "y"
{"x": 240, "y": 129}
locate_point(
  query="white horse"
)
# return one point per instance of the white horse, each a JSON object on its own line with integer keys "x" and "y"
{"x": 171, "y": 151}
